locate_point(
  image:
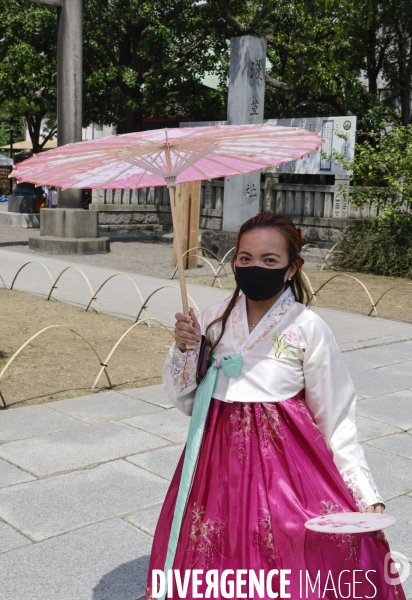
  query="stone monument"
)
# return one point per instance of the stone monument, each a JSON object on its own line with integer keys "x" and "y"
{"x": 246, "y": 101}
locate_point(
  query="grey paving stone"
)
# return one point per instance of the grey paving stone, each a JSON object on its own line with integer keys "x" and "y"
{"x": 105, "y": 561}
{"x": 401, "y": 348}
{"x": 76, "y": 448}
{"x": 376, "y": 382}
{"x": 392, "y": 474}
{"x": 171, "y": 424}
{"x": 402, "y": 368}
{"x": 27, "y": 421}
{"x": 9, "y": 474}
{"x": 161, "y": 462}
{"x": 395, "y": 409}
{"x": 355, "y": 365}
{"x": 146, "y": 520}
{"x": 10, "y": 539}
{"x": 400, "y": 535}
{"x": 155, "y": 394}
{"x": 55, "y": 505}
{"x": 369, "y": 429}
{"x": 376, "y": 357}
{"x": 109, "y": 406}
{"x": 400, "y": 443}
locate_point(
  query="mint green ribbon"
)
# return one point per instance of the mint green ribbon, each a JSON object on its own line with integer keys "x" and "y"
{"x": 231, "y": 366}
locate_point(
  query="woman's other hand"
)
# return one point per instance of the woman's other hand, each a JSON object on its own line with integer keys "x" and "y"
{"x": 187, "y": 330}
{"x": 377, "y": 508}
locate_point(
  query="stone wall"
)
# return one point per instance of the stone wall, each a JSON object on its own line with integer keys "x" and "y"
{"x": 320, "y": 210}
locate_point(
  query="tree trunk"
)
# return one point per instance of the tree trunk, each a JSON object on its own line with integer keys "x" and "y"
{"x": 405, "y": 71}
{"x": 34, "y": 126}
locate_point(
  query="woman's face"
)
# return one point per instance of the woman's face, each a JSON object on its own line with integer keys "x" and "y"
{"x": 264, "y": 248}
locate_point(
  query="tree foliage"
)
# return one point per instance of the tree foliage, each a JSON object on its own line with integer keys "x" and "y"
{"x": 145, "y": 58}
{"x": 318, "y": 48}
{"x": 28, "y": 70}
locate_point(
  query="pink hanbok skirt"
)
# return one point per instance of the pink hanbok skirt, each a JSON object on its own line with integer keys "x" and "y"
{"x": 263, "y": 470}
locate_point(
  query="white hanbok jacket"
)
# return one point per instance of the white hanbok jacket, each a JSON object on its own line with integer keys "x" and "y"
{"x": 290, "y": 349}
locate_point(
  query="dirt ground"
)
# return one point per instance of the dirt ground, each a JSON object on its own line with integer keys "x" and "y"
{"x": 59, "y": 364}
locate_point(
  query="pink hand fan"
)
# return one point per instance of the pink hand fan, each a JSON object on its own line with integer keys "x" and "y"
{"x": 350, "y": 522}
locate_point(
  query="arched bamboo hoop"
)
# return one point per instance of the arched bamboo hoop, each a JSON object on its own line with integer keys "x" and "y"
{"x": 306, "y": 278}
{"x": 208, "y": 262}
{"x": 314, "y": 246}
{"x": 3, "y": 282}
{"x": 54, "y": 286}
{"x": 104, "y": 367}
{"x": 228, "y": 252}
{"x": 108, "y": 279}
{"x": 217, "y": 274}
{"x": 325, "y": 262}
{"x": 201, "y": 257}
{"x": 109, "y": 356}
{"x": 222, "y": 265}
{"x": 144, "y": 307}
{"x": 33, "y": 262}
{"x": 388, "y": 290}
{"x": 359, "y": 281}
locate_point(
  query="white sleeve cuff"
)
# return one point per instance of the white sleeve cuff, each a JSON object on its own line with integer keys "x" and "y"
{"x": 183, "y": 369}
{"x": 362, "y": 487}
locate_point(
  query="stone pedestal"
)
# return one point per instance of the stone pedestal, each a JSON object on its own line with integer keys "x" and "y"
{"x": 69, "y": 231}
{"x": 20, "y": 213}
{"x": 246, "y": 100}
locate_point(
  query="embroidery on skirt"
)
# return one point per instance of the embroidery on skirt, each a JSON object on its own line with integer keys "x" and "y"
{"x": 205, "y": 537}
{"x": 264, "y": 542}
{"x": 302, "y": 407}
{"x": 241, "y": 426}
{"x": 353, "y": 539}
{"x": 268, "y": 426}
{"x": 381, "y": 536}
{"x": 148, "y": 594}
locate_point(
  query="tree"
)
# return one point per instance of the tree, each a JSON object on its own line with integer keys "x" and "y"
{"x": 318, "y": 49}
{"x": 397, "y": 65}
{"x": 145, "y": 58}
{"x": 28, "y": 69}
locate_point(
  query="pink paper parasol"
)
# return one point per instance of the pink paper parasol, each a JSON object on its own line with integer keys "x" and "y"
{"x": 168, "y": 156}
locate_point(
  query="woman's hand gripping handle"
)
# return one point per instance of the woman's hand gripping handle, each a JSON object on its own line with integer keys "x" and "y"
{"x": 187, "y": 330}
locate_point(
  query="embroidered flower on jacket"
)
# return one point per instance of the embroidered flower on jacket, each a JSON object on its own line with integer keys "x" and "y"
{"x": 286, "y": 344}
{"x": 291, "y": 336}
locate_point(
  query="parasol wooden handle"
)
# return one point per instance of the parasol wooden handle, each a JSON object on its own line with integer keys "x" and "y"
{"x": 180, "y": 266}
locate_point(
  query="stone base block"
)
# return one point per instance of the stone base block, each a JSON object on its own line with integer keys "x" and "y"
{"x": 219, "y": 242}
{"x": 69, "y": 223}
{"x": 21, "y": 204}
{"x": 66, "y": 245}
{"x": 28, "y": 220}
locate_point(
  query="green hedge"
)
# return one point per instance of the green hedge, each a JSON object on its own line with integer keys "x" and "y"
{"x": 373, "y": 247}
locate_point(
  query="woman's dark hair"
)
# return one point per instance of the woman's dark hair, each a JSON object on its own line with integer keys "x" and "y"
{"x": 293, "y": 239}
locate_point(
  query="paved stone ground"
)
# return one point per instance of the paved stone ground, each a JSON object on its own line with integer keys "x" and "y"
{"x": 82, "y": 480}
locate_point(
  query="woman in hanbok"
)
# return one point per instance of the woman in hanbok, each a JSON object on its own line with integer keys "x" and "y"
{"x": 279, "y": 443}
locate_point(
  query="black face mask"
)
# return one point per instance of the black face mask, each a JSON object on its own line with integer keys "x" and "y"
{"x": 260, "y": 283}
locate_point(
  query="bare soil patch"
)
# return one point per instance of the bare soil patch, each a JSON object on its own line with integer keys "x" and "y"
{"x": 59, "y": 364}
